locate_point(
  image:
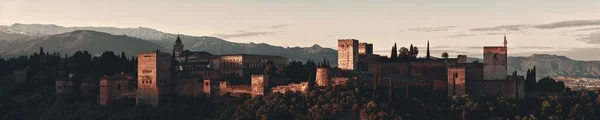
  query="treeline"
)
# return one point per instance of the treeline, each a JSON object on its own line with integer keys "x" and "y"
{"x": 546, "y": 84}
{"x": 44, "y": 68}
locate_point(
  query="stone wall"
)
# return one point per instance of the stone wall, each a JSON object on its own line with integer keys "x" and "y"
{"x": 115, "y": 87}
{"x": 301, "y": 87}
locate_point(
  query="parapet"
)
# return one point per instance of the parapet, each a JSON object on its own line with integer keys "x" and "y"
{"x": 347, "y": 41}
{"x": 494, "y": 49}
{"x": 152, "y": 54}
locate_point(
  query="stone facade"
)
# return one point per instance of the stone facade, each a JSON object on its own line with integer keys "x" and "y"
{"x": 495, "y": 63}
{"x": 188, "y": 84}
{"x": 154, "y": 76}
{"x": 301, "y": 87}
{"x": 340, "y": 81}
{"x": 234, "y": 64}
{"x": 513, "y": 87}
{"x": 259, "y": 84}
{"x": 347, "y": 54}
{"x": 456, "y": 81}
{"x": 117, "y": 86}
{"x": 322, "y": 77}
{"x": 214, "y": 66}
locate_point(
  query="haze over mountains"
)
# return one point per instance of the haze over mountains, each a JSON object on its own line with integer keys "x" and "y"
{"x": 24, "y": 39}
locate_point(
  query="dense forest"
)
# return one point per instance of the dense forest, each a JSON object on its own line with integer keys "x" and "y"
{"x": 36, "y": 98}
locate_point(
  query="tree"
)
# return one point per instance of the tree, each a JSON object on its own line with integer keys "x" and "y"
{"x": 415, "y": 52}
{"x": 445, "y": 55}
{"x": 404, "y": 52}
{"x": 428, "y": 56}
{"x": 394, "y": 54}
{"x": 269, "y": 68}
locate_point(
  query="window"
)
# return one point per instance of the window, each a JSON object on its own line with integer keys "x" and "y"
{"x": 118, "y": 87}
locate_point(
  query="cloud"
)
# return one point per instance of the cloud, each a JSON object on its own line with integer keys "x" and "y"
{"x": 244, "y": 34}
{"x": 493, "y": 33}
{"x": 536, "y": 47}
{"x": 252, "y": 32}
{"x": 592, "y": 38}
{"x": 461, "y": 35}
{"x": 571, "y": 23}
{"x": 588, "y": 29}
{"x": 431, "y": 29}
{"x": 554, "y": 25}
{"x": 278, "y": 26}
{"x": 502, "y": 28}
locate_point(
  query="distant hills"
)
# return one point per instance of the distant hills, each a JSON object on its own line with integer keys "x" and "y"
{"x": 553, "y": 65}
{"x": 79, "y": 40}
{"x": 25, "y": 39}
{"x": 19, "y": 39}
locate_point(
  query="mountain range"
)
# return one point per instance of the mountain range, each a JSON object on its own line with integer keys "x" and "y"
{"x": 24, "y": 39}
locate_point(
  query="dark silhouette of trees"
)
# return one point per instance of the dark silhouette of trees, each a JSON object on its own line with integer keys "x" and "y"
{"x": 404, "y": 53}
{"x": 394, "y": 54}
{"x": 445, "y": 55}
{"x": 414, "y": 52}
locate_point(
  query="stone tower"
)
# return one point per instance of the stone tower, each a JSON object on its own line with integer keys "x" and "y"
{"x": 259, "y": 84}
{"x": 154, "y": 76}
{"x": 178, "y": 47}
{"x": 456, "y": 81}
{"x": 322, "y": 77}
{"x": 347, "y": 54}
{"x": 495, "y": 62}
{"x": 365, "y": 48}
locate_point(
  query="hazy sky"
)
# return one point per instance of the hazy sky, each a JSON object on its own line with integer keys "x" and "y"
{"x": 562, "y": 27}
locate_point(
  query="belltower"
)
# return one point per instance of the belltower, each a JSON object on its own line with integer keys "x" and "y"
{"x": 178, "y": 47}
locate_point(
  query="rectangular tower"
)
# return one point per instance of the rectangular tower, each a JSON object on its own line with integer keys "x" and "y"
{"x": 365, "y": 48}
{"x": 347, "y": 54}
{"x": 154, "y": 76}
{"x": 456, "y": 81}
{"x": 494, "y": 63}
{"x": 259, "y": 84}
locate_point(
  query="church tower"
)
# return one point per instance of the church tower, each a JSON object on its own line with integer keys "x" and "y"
{"x": 505, "y": 41}
{"x": 178, "y": 47}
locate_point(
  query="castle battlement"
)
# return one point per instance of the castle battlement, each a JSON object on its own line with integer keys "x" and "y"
{"x": 239, "y": 86}
{"x": 153, "y": 53}
{"x": 347, "y": 40}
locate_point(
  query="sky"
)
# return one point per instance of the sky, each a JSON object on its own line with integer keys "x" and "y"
{"x": 561, "y": 27}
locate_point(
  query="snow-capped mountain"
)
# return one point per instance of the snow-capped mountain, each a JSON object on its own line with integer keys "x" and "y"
{"x": 38, "y": 30}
